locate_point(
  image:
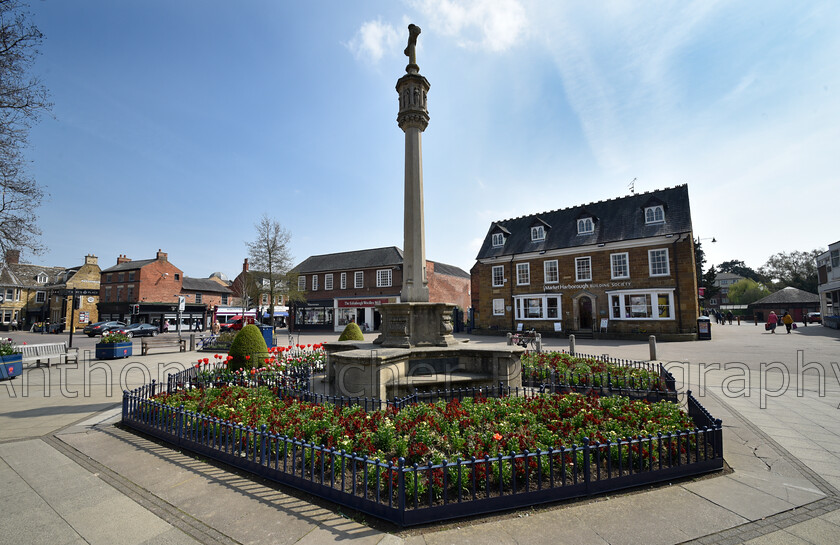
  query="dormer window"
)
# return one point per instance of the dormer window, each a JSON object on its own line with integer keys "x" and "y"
{"x": 585, "y": 226}
{"x": 42, "y": 278}
{"x": 537, "y": 233}
{"x": 654, "y": 214}
{"x": 498, "y": 240}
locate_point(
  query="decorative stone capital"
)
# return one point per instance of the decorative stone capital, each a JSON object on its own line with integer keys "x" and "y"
{"x": 412, "y": 90}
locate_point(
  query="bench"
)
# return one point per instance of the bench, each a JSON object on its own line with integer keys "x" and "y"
{"x": 163, "y": 342}
{"x": 38, "y": 352}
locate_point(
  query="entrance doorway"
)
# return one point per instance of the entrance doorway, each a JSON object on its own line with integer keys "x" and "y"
{"x": 585, "y": 313}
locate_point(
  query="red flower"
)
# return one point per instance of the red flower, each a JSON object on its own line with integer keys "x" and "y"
{"x": 497, "y": 437}
{"x": 248, "y": 357}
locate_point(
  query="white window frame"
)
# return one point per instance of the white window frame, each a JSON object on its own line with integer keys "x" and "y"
{"x": 537, "y": 233}
{"x": 359, "y": 279}
{"x": 613, "y": 274}
{"x": 314, "y": 282}
{"x": 264, "y": 299}
{"x": 42, "y": 278}
{"x": 497, "y": 280}
{"x": 302, "y": 283}
{"x": 383, "y": 278}
{"x": 498, "y": 240}
{"x": 578, "y": 262}
{"x": 546, "y": 269}
{"x": 667, "y": 262}
{"x": 654, "y": 294}
{"x": 523, "y": 274}
{"x": 585, "y": 226}
{"x": 655, "y": 214}
{"x": 524, "y": 306}
{"x": 498, "y": 307}
{"x": 328, "y": 281}
{"x": 343, "y": 281}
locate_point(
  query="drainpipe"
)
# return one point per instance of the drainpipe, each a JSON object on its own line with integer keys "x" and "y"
{"x": 677, "y": 279}
{"x": 512, "y": 304}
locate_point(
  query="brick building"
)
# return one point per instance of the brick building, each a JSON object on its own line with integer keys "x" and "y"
{"x": 25, "y": 291}
{"x": 148, "y": 291}
{"x": 252, "y": 294}
{"x": 348, "y": 286}
{"x": 623, "y": 266}
{"x": 85, "y": 279}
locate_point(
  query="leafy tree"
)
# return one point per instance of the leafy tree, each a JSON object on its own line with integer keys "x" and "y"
{"x": 746, "y": 291}
{"x": 269, "y": 253}
{"x": 22, "y": 101}
{"x": 796, "y": 269}
{"x": 738, "y": 267}
{"x": 708, "y": 283}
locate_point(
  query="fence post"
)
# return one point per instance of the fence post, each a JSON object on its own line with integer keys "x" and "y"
{"x": 180, "y": 423}
{"x": 718, "y": 438}
{"x": 262, "y": 444}
{"x": 586, "y": 472}
{"x": 571, "y": 345}
{"x": 401, "y": 488}
{"x": 125, "y": 404}
{"x": 652, "y": 342}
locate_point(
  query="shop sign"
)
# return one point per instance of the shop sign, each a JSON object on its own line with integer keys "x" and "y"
{"x": 358, "y": 303}
{"x": 83, "y": 317}
{"x": 585, "y": 286}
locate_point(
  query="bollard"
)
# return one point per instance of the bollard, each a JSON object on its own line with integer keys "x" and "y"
{"x": 652, "y": 342}
{"x": 510, "y": 339}
{"x": 192, "y": 342}
{"x": 572, "y": 345}
{"x": 739, "y": 320}
{"x": 539, "y": 343}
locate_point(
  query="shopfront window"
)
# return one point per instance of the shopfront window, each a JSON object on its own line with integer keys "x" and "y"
{"x": 537, "y": 307}
{"x": 646, "y": 305}
{"x": 314, "y": 316}
{"x": 346, "y": 315}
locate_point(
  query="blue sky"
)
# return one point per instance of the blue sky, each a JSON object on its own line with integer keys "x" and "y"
{"x": 176, "y": 125}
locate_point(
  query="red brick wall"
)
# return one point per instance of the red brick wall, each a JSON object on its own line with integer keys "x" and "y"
{"x": 158, "y": 283}
{"x": 444, "y": 288}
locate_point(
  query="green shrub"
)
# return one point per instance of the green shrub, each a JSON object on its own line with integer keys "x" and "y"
{"x": 351, "y": 333}
{"x": 248, "y": 349}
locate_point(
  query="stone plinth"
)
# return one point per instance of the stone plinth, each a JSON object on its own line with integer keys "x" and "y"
{"x": 366, "y": 370}
{"x": 409, "y": 325}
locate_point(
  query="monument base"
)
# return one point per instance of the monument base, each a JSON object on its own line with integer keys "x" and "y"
{"x": 411, "y": 325}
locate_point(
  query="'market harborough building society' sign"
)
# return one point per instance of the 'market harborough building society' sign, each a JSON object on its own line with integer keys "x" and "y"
{"x": 625, "y": 265}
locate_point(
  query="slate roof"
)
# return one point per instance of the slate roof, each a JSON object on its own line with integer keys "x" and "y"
{"x": 25, "y": 274}
{"x": 615, "y": 220}
{"x": 367, "y": 259}
{"x": 203, "y": 285}
{"x": 359, "y": 259}
{"x": 788, "y": 296}
{"x": 129, "y": 265}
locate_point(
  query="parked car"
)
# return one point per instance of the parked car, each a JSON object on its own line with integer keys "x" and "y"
{"x": 141, "y": 330}
{"x": 815, "y": 317}
{"x": 101, "y": 328}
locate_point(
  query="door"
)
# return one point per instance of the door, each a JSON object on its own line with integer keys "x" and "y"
{"x": 585, "y": 313}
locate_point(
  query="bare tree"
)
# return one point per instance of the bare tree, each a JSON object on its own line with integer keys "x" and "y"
{"x": 22, "y": 101}
{"x": 269, "y": 254}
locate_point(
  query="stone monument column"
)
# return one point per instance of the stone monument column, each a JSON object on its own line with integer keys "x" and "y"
{"x": 413, "y": 119}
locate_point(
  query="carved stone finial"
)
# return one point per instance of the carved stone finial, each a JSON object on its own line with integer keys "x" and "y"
{"x": 410, "y": 50}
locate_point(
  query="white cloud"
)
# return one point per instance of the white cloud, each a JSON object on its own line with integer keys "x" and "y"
{"x": 493, "y": 25}
{"x": 372, "y": 40}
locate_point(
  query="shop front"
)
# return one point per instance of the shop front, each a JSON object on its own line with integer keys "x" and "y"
{"x": 314, "y": 315}
{"x": 361, "y": 310}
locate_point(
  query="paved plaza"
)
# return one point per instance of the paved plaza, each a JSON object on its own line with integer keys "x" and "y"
{"x": 68, "y": 475}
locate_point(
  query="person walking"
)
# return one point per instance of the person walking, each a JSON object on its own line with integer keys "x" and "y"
{"x": 772, "y": 320}
{"x": 729, "y": 317}
{"x": 787, "y": 319}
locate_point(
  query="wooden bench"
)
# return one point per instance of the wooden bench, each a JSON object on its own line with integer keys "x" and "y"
{"x": 38, "y": 352}
{"x": 163, "y": 342}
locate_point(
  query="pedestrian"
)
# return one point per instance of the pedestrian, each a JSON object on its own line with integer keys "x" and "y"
{"x": 805, "y": 316}
{"x": 729, "y": 317}
{"x": 772, "y": 320}
{"x": 14, "y": 325}
{"x": 787, "y": 319}
{"x": 166, "y": 326}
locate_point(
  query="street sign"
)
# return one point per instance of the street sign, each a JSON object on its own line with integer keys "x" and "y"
{"x": 182, "y": 303}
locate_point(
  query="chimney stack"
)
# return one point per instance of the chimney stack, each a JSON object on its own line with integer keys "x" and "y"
{"x": 91, "y": 259}
{"x": 245, "y": 265}
{"x": 12, "y": 257}
{"x": 122, "y": 259}
{"x": 162, "y": 256}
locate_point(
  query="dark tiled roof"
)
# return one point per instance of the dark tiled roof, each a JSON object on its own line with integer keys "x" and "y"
{"x": 617, "y": 219}
{"x": 27, "y": 274}
{"x": 129, "y": 265}
{"x": 203, "y": 285}
{"x": 450, "y": 270}
{"x": 788, "y": 296}
{"x": 360, "y": 259}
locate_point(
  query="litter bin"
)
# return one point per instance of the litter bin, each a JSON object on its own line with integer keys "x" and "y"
{"x": 704, "y": 328}
{"x": 268, "y": 335}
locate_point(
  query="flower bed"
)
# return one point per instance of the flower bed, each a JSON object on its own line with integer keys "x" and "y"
{"x": 429, "y": 461}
